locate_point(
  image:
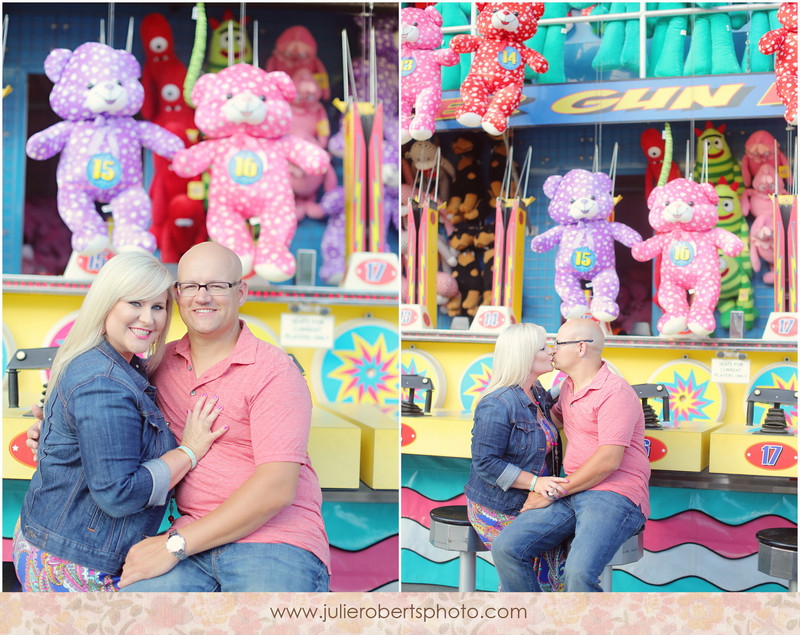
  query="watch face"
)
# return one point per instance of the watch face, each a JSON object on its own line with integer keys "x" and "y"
{"x": 175, "y": 543}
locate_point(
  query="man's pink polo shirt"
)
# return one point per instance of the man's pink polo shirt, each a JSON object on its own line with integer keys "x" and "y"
{"x": 607, "y": 412}
{"x": 267, "y": 406}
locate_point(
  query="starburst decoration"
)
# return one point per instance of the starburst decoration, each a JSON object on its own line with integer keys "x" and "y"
{"x": 686, "y": 399}
{"x": 479, "y": 382}
{"x": 368, "y": 373}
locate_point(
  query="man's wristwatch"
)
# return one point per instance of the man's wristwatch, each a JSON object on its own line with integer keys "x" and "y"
{"x": 176, "y": 544}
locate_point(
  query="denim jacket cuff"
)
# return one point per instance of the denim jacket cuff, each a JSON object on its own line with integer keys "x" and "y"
{"x": 508, "y": 476}
{"x": 161, "y": 475}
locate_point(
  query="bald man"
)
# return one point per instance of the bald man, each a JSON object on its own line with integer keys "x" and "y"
{"x": 251, "y": 510}
{"x": 607, "y": 496}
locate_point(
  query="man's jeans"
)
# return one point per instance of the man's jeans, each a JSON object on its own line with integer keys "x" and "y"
{"x": 601, "y": 522}
{"x": 243, "y": 566}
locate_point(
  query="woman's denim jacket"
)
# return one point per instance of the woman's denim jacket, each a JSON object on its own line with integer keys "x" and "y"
{"x": 99, "y": 486}
{"x": 505, "y": 441}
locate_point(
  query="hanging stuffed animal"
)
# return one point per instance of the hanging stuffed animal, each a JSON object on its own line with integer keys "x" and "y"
{"x": 294, "y": 49}
{"x": 421, "y": 62}
{"x": 498, "y": 161}
{"x": 711, "y": 48}
{"x": 653, "y": 148}
{"x": 245, "y": 112}
{"x": 736, "y": 291}
{"x": 756, "y": 200}
{"x": 758, "y": 150}
{"x": 309, "y": 122}
{"x": 422, "y": 155}
{"x": 721, "y": 162}
{"x": 762, "y": 247}
{"x": 468, "y": 188}
{"x": 580, "y": 204}
{"x": 783, "y": 43}
{"x": 684, "y": 215}
{"x": 179, "y": 215}
{"x": 217, "y": 57}
{"x": 97, "y": 92}
{"x": 498, "y": 66}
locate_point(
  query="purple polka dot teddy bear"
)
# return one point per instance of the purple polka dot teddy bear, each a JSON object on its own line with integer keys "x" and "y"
{"x": 581, "y": 202}
{"x": 245, "y": 113}
{"x": 684, "y": 215}
{"x": 421, "y": 62}
{"x": 97, "y": 92}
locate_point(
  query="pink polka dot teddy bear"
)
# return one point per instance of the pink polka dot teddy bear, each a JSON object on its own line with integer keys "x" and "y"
{"x": 684, "y": 215}
{"x": 245, "y": 112}
{"x": 498, "y": 66}
{"x": 97, "y": 91}
{"x": 581, "y": 202}
{"x": 421, "y": 62}
{"x": 783, "y": 42}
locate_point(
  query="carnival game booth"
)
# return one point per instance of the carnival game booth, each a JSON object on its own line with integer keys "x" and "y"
{"x": 720, "y": 473}
{"x": 339, "y": 323}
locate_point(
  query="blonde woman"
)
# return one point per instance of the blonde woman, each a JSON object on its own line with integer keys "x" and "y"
{"x": 107, "y": 460}
{"x": 516, "y": 448}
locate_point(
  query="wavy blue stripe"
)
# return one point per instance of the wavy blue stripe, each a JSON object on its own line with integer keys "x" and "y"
{"x": 624, "y": 582}
{"x": 435, "y": 477}
{"x": 418, "y": 570}
{"x": 356, "y": 526}
{"x": 729, "y": 507}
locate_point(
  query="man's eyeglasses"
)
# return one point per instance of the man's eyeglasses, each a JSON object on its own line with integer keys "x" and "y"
{"x": 188, "y": 289}
{"x": 557, "y": 343}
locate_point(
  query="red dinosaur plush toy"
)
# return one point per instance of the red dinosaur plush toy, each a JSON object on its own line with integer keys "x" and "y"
{"x": 653, "y": 148}
{"x": 498, "y": 66}
{"x": 783, "y": 42}
{"x": 179, "y": 219}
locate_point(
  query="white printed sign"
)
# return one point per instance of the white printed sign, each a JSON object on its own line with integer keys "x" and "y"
{"x": 306, "y": 331}
{"x": 730, "y": 371}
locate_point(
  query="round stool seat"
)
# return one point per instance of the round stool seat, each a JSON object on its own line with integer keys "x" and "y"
{"x": 777, "y": 554}
{"x": 780, "y": 538}
{"x": 451, "y": 529}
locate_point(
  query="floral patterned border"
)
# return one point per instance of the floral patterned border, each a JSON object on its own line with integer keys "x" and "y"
{"x": 565, "y": 614}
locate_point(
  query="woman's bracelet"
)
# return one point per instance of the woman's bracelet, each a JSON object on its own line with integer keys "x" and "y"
{"x": 190, "y": 454}
{"x": 533, "y": 482}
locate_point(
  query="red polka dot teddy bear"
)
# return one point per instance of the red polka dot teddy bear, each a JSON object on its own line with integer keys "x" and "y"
{"x": 783, "y": 42}
{"x": 245, "y": 112}
{"x": 498, "y": 66}
{"x": 684, "y": 215}
{"x": 421, "y": 62}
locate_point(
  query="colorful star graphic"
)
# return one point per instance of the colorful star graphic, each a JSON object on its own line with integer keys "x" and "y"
{"x": 479, "y": 382}
{"x": 368, "y": 373}
{"x": 686, "y": 401}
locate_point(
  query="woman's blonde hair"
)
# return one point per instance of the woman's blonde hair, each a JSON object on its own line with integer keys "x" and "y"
{"x": 131, "y": 275}
{"x": 514, "y": 351}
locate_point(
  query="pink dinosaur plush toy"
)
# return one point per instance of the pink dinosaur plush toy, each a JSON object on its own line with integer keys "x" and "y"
{"x": 498, "y": 66}
{"x": 580, "y": 202}
{"x": 296, "y": 48}
{"x": 758, "y": 150}
{"x": 756, "y": 199}
{"x": 684, "y": 215}
{"x": 97, "y": 92}
{"x": 763, "y": 247}
{"x": 783, "y": 42}
{"x": 245, "y": 112}
{"x": 421, "y": 62}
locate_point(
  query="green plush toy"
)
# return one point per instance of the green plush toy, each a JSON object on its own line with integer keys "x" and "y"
{"x": 619, "y": 43}
{"x": 711, "y": 51}
{"x": 721, "y": 162}
{"x": 550, "y": 40}
{"x": 753, "y": 60}
{"x": 667, "y": 45}
{"x": 736, "y": 294}
{"x": 454, "y": 14}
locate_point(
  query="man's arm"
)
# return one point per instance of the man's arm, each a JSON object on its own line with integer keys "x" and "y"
{"x": 270, "y": 489}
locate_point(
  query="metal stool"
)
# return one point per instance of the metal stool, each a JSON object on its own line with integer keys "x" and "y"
{"x": 451, "y": 530}
{"x": 777, "y": 554}
{"x": 630, "y": 551}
